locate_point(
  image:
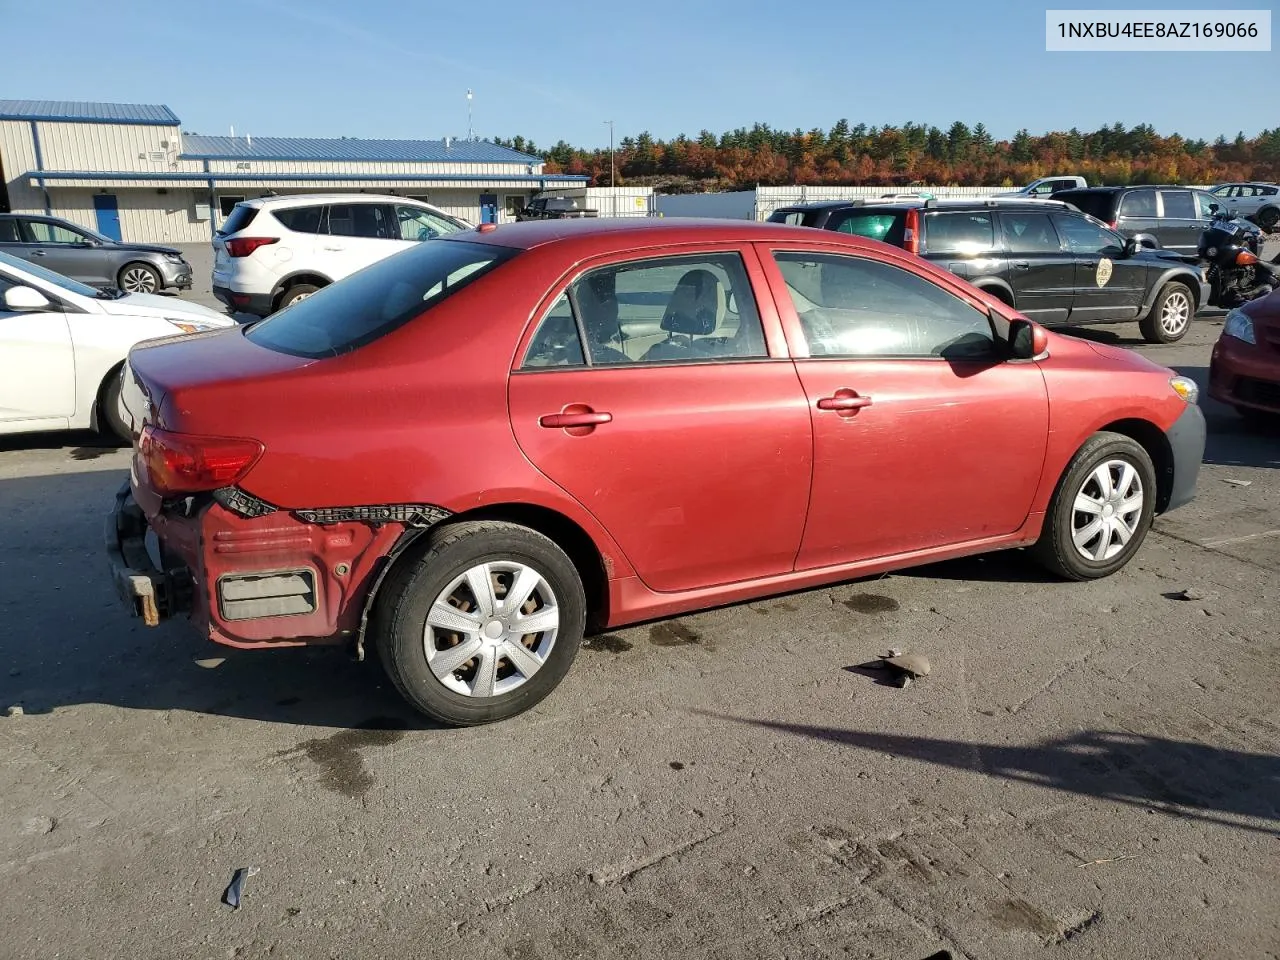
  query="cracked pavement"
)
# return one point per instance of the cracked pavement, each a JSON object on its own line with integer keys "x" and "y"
{"x": 1090, "y": 770}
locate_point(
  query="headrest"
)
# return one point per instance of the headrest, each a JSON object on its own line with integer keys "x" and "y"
{"x": 697, "y": 305}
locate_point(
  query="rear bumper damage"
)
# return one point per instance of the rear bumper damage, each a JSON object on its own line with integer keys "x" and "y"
{"x": 151, "y": 593}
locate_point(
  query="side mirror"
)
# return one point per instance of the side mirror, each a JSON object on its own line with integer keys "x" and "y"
{"x": 25, "y": 300}
{"x": 1027, "y": 340}
{"x": 1132, "y": 246}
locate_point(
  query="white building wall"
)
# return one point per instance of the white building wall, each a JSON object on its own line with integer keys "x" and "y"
{"x": 17, "y": 156}
{"x": 734, "y": 205}
{"x": 112, "y": 146}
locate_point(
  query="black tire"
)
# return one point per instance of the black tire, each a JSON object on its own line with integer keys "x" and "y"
{"x": 1268, "y": 219}
{"x": 411, "y": 589}
{"x": 110, "y": 424}
{"x": 299, "y": 291}
{"x": 1056, "y": 549}
{"x": 139, "y": 277}
{"x": 1153, "y": 329}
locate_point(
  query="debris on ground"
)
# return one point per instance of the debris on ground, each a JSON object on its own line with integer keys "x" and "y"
{"x": 1094, "y": 863}
{"x": 908, "y": 666}
{"x": 1237, "y": 483}
{"x": 210, "y": 663}
{"x": 39, "y": 825}
{"x": 231, "y": 897}
{"x": 14, "y": 711}
{"x": 1191, "y": 593}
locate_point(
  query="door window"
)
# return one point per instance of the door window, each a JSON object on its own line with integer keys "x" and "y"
{"x": 370, "y": 220}
{"x": 301, "y": 219}
{"x": 1202, "y": 204}
{"x": 853, "y": 307}
{"x": 417, "y": 224}
{"x": 691, "y": 309}
{"x": 1178, "y": 205}
{"x": 1086, "y": 237}
{"x": 888, "y": 227}
{"x": 557, "y": 342}
{"x": 959, "y": 233}
{"x": 9, "y": 232}
{"x": 1029, "y": 233}
{"x": 1139, "y": 204}
{"x": 44, "y": 232}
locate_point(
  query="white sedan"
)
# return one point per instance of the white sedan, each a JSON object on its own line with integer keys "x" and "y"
{"x": 62, "y": 345}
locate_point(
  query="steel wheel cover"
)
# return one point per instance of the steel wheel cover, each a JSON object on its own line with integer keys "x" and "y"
{"x": 491, "y": 629}
{"x": 1107, "y": 510}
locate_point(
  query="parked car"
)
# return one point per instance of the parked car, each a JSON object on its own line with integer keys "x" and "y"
{"x": 467, "y": 453}
{"x": 1054, "y": 264}
{"x": 1047, "y": 187}
{"x": 555, "y": 208}
{"x": 274, "y": 251}
{"x": 89, "y": 257}
{"x": 1244, "y": 370}
{"x": 63, "y": 343}
{"x": 1169, "y": 217}
{"x": 1260, "y": 202}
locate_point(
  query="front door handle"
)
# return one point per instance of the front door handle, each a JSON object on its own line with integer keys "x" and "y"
{"x": 578, "y": 419}
{"x": 1022, "y": 264}
{"x": 846, "y": 402}
{"x": 37, "y": 253}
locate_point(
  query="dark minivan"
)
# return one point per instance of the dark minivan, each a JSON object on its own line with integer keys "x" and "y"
{"x": 1053, "y": 263}
{"x": 1163, "y": 216}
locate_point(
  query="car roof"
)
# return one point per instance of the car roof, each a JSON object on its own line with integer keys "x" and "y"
{"x": 603, "y": 235}
{"x": 309, "y": 199}
{"x": 942, "y": 203}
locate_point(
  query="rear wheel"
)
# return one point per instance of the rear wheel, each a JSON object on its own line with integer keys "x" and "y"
{"x": 483, "y": 625}
{"x": 1268, "y": 219}
{"x": 299, "y": 291}
{"x": 1101, "y": 511}
{"x": 111, "y": 422}
{"x": 1170, "y": 315}
{"x": 138, "y": 278}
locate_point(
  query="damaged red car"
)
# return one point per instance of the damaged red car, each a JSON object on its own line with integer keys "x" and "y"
{"x": 1244, "y": 370}
{"x": 472, "y": 452}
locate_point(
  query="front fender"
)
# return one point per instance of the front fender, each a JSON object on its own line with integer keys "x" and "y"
{"x": 1185, "y": 275}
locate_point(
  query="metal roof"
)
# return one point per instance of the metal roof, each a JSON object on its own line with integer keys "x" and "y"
{"x": 199, "y": 177}
{"x": 84, "y": 111}
{"x": 314, "y": 149}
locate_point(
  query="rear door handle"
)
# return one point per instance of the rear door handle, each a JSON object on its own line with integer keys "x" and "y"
{"x": 1022, "y": 264}
{"x": 586, "y": 418}
{"x": 844, "y": 401}
{"x": 37, "y": 253}
{"x": 335, "y": 248}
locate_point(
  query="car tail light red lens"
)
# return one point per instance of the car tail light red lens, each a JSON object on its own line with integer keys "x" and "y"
{"x": 911, "y": 232}
{"x": 243, "y": 246}
{"x": 180, "y": 463}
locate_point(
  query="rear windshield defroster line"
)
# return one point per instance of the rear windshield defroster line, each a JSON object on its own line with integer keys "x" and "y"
{"x": 378, "y": 299}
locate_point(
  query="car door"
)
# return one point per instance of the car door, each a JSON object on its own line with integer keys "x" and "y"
{"x": 1139, "y": 212}
{"x": 964, "y": 243}
{"x": 37, "y": 364}
{"x": 67, "y": 251}
{"x": 1041, "y": 270}
{"x": 356, "y": 235}
{"x": 1108, "y": 285}
{"x": 923, "y": 435}
{"x": 694, "y": 451}
{"x": 1180, "y": 225}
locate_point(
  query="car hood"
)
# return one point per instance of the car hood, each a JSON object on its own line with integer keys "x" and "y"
{"x": 144, "y": 248}
{"x": 153, "y": 305}
{"x": 1124, "y": 357}
{"x": 1162, "y": 257}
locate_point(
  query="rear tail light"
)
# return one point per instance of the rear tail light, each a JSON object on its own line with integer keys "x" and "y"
{"x": 911, "y": 233}
{"x": 243, "y": 246}
{"x": 1245, "y": 259}
{"x": 180, "y": 463}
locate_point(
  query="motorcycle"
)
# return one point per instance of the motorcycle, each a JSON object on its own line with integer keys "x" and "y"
{"x": 1233, "y": 269}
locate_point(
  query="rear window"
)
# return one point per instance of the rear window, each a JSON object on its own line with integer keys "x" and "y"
{"x": 1099, "y": 205}
{"x": 239, "y": 218}
{"x": 794, "y": 218}
{"x": 1178, "y": 204}
{"x": 960, "y": 233}
{"x": 371, "y": 303}
{"x": 887, "y": 225}
{"x": 300, "y": 219}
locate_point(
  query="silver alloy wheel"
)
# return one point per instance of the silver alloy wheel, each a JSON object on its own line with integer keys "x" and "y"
{"x": 491, "y": 629}
{"x": 1107, "y": 510}
{"x": 138, "y": 280}
{"x": 297, "y": 298}
{"x": 1175, "y": 313}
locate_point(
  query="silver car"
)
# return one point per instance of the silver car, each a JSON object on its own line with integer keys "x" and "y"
{"x": 1260, "y": 202}
{"x": 85, "y": 255}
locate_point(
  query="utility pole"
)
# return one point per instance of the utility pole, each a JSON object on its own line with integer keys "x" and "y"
{"x": 610, "y": 123}
{"x": 471, "y": 133}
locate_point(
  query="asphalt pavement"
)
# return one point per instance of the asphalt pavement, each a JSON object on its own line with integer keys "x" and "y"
{"x": 1090, "y": 770}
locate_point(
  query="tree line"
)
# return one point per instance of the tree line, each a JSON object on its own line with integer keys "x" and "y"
{"x": 864, "y": 155}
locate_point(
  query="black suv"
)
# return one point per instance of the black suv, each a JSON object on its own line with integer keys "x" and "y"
{"x": 1050, "y": 262}
{"x": 1161, "y": 216}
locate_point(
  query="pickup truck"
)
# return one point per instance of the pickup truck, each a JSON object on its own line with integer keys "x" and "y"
{"x": 554, "y": 208}
{"x": 1047, "y": 187}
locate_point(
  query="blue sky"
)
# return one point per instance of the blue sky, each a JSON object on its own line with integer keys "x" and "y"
{"x": 379, "y": 68}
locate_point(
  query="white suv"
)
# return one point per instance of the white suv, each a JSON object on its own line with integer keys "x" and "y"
{"x": 274, "y": 251}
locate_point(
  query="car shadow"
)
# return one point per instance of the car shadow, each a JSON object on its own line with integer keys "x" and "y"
{"x": 1006, "y": 566}
{"x": 1231, "y": 440}
{"x": 1188, "y": 779}
{"x": 68, "y": 640}
{"x": 85, "y": 444}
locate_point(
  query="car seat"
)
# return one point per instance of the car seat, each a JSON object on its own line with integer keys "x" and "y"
{"x": 696, "y": 309}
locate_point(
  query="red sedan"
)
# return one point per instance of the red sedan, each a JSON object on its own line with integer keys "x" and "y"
{"x": 470, "y": 453}
{"x": 1244, "y": 370}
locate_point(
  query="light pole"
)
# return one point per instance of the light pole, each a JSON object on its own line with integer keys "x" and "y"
{"x": 610, "y": 123}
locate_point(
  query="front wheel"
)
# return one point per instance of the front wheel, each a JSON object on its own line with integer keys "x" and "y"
{"x": 1170, "y": 314}
{"x": 1101, "y": 511}
{"x": 1268, "y": 220}
{"x": 299, "y": 291}
{"x": 139, "y": 278}
{"x": 483, "y": 625}
{"x": 111, "y": 422}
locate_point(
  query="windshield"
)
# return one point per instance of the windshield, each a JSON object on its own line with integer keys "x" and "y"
{"x": 42, "y": 273}
{"x": 1100, "y": 205}
{"x": 373, "y": 302}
